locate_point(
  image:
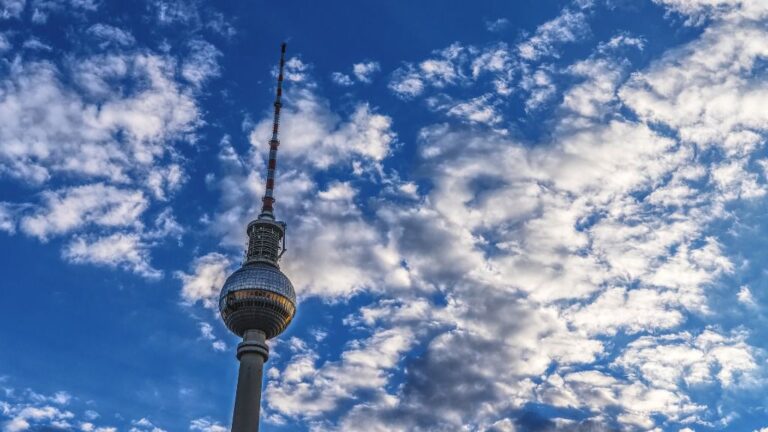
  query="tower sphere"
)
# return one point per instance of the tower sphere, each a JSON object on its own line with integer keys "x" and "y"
{"x": 258, "y": 296}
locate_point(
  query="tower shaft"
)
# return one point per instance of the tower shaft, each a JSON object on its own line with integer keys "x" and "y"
{"x": 252, "y": 353}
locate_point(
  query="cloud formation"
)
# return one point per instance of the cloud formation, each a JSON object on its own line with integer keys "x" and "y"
{"x": 571, "y": 278}
{"x": 95, "y": 136}
{"x": 542, "y": 252}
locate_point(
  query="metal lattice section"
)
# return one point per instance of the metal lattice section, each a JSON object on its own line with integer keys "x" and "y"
{"x": 264, "y": 241}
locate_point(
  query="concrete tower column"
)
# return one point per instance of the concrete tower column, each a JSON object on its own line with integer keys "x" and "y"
{"x": 252, "y": 353}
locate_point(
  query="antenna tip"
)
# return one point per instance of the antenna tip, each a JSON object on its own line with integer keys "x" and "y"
{"x": 282, "y": 47}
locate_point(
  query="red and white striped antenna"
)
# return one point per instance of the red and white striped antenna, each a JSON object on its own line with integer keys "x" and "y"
{"x": 267, "y": 202}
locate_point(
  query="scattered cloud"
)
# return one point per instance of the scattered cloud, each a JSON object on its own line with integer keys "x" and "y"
{"x": 445, "y": 68}
{"x": 573, "y": 270}
{"x": 95, "y": 138}
{"x": 745, "y": 296}
{"x": 209, "y": 272}
{"x": 569, "y": 26}
{"x": 11, "y": 8}
{"x": 497, "y": 25}
{"x": 697, "y": 11}
{"x": 364, "y": 71}
{"x": 144, "y": 425}
{"x": 202, "y": 63}
{"x": 43, "y": 9}
{"x": 304, "y": 390}
{"x": 206, "y": 332}
{"x": 69, "y": 209}
{"x": 111, "y": 35}
{"x": 320, "y": 138}
{"x": 26, "y": 410}
{"x": 206, "y": 425}
{"x": 543, "y": 252}
{"x": 51, "y": 129}
{"x": 341, "y": 79}
{"x": 622, "y": 40}
{"x": 35, "y": 44}
{"x": 119, "y": 250}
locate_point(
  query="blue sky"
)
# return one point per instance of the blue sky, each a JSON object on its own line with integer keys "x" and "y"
{"x": 502, "y": 216}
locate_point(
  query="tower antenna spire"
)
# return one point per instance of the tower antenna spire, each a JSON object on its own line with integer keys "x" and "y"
{"x": 267, "y": 202}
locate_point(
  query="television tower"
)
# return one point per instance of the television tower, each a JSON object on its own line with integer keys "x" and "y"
{"x": 257, "y": 301}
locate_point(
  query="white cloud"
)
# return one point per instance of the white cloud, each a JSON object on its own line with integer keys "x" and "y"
{"x": 745, "y": 296}
{"x": 665, "y": 361}
{"x": 5, "y": 44}
{"x": 175, "y": 11}
{"x": 569, "y": 26}
{"x": 342, "y": 79}
{"x": 26, "y": 410}
{"x": 21, "y": 419}
{"x": 633, "y": 311}
{"x": 144, "y": 425}
{"x": 7, "y": 218}
{"x": 658, "y": 370}
{"x": 295, "y": 70}
{"x": 636, "y": 401}
{"x": 649, "y": 261}
{"x": 304, "y": 390}
{"x": 42, "y": 9}
{"x": 698, "y": 10}
{"x": 61, "y": 398}
{"x": 202, "y": 63}
{"x": 406, "y": 83}
{"x": 11, "y": 8}
{"x": 459, "y": 66}
{"x": 69, "y": 209}
{"x": 445, "y": 68}
{"x": 523, "y": 260}
{"x": 119, "y": 250}
{"x": 360, "y": 261}
{"x": 540, "y": 86}
{"x": 204, "y": 284}
{"x": 35, "y": 44}
{"x": 95, "y": 136}
{"x": 622, "y": 40}
{"x": 363, "y": 71}
{"x": 49, "y": 129}
{"x": 111, "y": 35}
{"x": 705, "y": 91}
{"x": 206, "y": 425}
{"x": 478, "y": 110}
{"x": 90, "y": 427}
{"x": 596, "y": 95}
{"x": 206, "y": 332}
{"x": 320, "y": 138}
{"x": 497, "y": 25}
